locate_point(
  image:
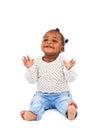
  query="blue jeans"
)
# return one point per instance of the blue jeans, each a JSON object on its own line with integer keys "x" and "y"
{"x": 44, "y": 101}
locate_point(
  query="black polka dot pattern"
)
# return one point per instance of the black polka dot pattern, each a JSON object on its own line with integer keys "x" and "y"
{"x": 51, "y": 77}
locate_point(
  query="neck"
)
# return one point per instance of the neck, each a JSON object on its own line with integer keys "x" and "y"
{"x": 49, "y": 58}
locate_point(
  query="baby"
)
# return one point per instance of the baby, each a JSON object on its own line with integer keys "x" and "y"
{"x": 52, "y": 73}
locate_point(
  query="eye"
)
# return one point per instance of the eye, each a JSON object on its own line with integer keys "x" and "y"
{"x": 54, "y": 40}
{"x": 44, "y": 40}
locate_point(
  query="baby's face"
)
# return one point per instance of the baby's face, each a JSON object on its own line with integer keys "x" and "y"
{"x": 52, "y": 43}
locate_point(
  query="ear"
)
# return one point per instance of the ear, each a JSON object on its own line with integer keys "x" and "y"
{"x": 62, "y": 49}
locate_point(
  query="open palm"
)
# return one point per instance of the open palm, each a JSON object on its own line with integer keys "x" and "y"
{"x": 27, "y": 61}
{"x": 69, "y": 64}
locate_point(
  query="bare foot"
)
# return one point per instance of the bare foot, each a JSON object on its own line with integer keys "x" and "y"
{"x": 28, "y": 115}
{"x": 72, "y": 109}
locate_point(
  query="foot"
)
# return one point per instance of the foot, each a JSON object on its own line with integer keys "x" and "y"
{"x": 28, "y": 115}
{"x": 72, "y": 109}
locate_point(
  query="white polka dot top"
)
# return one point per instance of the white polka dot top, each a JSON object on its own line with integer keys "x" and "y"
{"x": 50, "y": 77}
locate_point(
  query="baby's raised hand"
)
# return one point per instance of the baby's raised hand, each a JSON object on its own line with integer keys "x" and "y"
{"x": 69, "y": 64}
{"x": 27, "y": 61}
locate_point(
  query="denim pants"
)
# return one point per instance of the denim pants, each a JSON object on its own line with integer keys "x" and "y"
{"x": 44, "y": 101}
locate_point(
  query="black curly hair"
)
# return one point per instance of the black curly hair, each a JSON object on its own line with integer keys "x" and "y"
{"x": 64, "y": 41}
{"x": 63, "y": 38}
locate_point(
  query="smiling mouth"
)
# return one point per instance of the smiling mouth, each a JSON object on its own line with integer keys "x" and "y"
{"x": 48, "y": 47}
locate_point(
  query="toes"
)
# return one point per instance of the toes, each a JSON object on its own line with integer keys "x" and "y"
{"x": 22, "y": 113}
{"x": 28, "y": 115}
{"x": 74, "y": 104}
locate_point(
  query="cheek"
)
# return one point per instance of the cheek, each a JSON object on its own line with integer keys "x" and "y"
{"x": 41, "y": 46}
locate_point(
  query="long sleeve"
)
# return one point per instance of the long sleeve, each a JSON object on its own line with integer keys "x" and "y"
{"x": 70, "y": 75}
{"x": 32, "y": 74}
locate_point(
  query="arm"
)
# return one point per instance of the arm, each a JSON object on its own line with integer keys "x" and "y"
{"x": 70, "y": 74}
{"x": 31, "y": 74}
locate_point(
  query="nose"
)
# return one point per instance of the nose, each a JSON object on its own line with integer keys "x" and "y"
{"x": 49, "y": 42}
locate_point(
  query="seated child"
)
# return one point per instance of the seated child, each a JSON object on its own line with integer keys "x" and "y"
{"x": 52, "y": 73}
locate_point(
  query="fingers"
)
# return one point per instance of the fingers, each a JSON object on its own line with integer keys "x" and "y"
{"x": 72, "y": 61}
{"x": 69, "y": 64}
{"x": 24, "y": 59}
{"x": 27, "y": 61}
{"x": 32, "y": 60}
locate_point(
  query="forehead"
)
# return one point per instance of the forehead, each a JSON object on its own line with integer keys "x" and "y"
{"x": 53, "y": 34}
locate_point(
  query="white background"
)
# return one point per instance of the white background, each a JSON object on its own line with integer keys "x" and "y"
{"x": 22, "y": 25}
